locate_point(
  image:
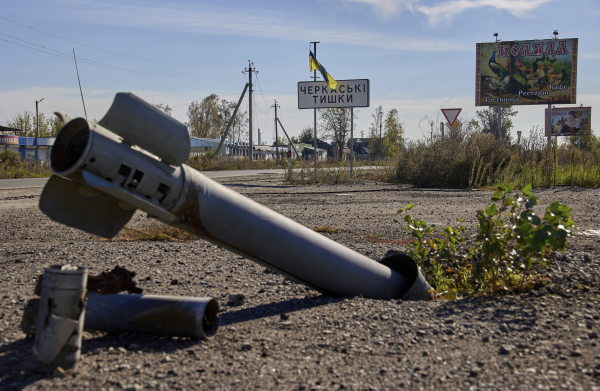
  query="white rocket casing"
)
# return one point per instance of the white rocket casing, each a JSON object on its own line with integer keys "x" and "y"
{"x": 105, "y": 172}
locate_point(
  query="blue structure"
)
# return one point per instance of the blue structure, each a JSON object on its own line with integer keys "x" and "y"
{"x": 31, "y": 149}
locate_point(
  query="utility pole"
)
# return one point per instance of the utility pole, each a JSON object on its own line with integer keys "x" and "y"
{"x": 37, "y": 133}
{"x": 37, "y": 118}
{"x": 499, "y": 108}
{"x": 250, "y": 70}
{"x": 380, "y": 138}
{"x": 315, "y": 123}
{"x": 276, "y": 136}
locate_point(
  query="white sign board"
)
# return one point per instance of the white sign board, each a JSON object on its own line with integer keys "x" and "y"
{"x": 349, "y": 93}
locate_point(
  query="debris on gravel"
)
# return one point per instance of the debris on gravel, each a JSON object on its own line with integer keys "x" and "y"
{"x": 287, "y": 336}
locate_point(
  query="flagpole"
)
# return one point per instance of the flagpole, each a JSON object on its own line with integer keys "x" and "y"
{"x": 315, "y": 114}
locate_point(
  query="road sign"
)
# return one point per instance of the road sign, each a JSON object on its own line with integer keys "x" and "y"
{"x": 454, "y": 126}
{"x": 451, "y": 114}
{"x": 349, "y": 93}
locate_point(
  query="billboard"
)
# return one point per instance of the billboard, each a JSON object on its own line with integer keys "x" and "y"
{"x": 535, "y": 72}
{"x": 349, "y": 93}
{"x": 7, "y": 139}
{"x": 569, "y": 121}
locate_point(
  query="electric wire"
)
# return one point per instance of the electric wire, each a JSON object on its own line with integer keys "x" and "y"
{"x": 97, "y": 63}
{"x": 118, "y": 54}
{"x": 261, "y": 93}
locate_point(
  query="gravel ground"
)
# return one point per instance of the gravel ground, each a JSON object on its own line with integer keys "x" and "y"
{"x": 289, "y": 337}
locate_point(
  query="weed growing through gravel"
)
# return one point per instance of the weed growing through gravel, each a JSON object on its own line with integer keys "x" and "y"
{"x": 513, "y": 247}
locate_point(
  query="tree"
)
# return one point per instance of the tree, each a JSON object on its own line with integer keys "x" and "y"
{"x": 282, "y": 141}
{"x": 26, "y": 122}
{"x": 375, "y": 141}
{"x": 208, "y": 119}
{"x": 392, "y": 139}
{"x": 588, "y": 141}
{"x": 335, "y": 124}
{"x": 165, "y": 109}
{"x": 306, "y": 134}
{"x": 487, "y": 121}
{"x": 239, "y": 128}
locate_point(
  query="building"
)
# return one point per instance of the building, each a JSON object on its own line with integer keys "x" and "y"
{"x": 30, "y": 148}
{"x": 361, "y": 148}
{"x": 200, "y": 146}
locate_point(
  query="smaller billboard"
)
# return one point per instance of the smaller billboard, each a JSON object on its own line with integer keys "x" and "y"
{"x": 318, "y": 95}
{"x": 7, "y": 139}
{"x": 569, "y": 121}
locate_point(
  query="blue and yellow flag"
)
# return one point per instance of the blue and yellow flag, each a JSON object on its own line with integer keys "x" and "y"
{"x": 315, "y": 65}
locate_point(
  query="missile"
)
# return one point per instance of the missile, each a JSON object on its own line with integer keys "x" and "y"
{"x": 133, "y": 159}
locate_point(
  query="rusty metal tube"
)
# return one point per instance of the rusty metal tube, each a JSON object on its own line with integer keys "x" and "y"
{"x": 169, "y": 316}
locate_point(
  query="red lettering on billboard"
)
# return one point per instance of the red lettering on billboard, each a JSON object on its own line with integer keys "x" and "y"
{"x": 550, "y": 50}
{"x": 503, "y": 50}
{"x": 525, "y": 51}
{"x": 562, "y": 48}
{"x": 537, "y": 49}
{"x": 515, "y": 50}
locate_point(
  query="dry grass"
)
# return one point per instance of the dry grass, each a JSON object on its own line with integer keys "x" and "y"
{"x": 326, "y": 228}
{"x": 338, "y": 172}
{"x": 154, "y": 231}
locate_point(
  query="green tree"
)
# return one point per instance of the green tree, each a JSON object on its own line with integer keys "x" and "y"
{"x": 588, "y": 141}
{"x": 306, "y": 134}
{"x": 487, "y": 121}
{"x": 27, "y": 124}
{"x": 282, "y": 141}
{"x": 392, "y": 139}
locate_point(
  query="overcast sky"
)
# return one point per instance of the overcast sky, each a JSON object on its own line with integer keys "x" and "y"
{"x": 419, "y": 55}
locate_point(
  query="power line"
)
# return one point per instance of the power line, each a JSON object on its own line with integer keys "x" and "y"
{"x": 261, "y": 93}
{"x": 97, "y": 63}
{"x": 118, "y": 54}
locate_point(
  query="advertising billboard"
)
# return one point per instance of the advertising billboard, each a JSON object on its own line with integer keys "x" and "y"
{"x": 8, "y": 139}
{"x": 349, "y": 93}
{"x": 526, "y": 72}
{"x": 569, "y": 121}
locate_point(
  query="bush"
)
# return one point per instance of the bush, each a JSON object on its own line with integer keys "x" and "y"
{"x": 469, "y": 161}
{"x": 476, "y": 160}
{"x": 11, "y": 158}
{"x": 513, "y": 247}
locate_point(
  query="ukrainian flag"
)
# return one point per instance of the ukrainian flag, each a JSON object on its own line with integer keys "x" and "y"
{"x": 314, "y": 65}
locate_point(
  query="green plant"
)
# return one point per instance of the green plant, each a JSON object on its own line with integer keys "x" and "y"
{"x": 437, "y": 255}
{"x": 512, "y": 238}
{"x": 11, "y": 158}
{"x": 513, "y": 246}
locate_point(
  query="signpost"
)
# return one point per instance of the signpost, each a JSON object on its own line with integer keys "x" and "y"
{"x": 349, "y": 94}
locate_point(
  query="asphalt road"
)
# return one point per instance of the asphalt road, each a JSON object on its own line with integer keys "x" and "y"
{"x": 26, "y": 183}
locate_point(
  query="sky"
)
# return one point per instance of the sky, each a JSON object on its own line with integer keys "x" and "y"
{"x": 418, "y": 55}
